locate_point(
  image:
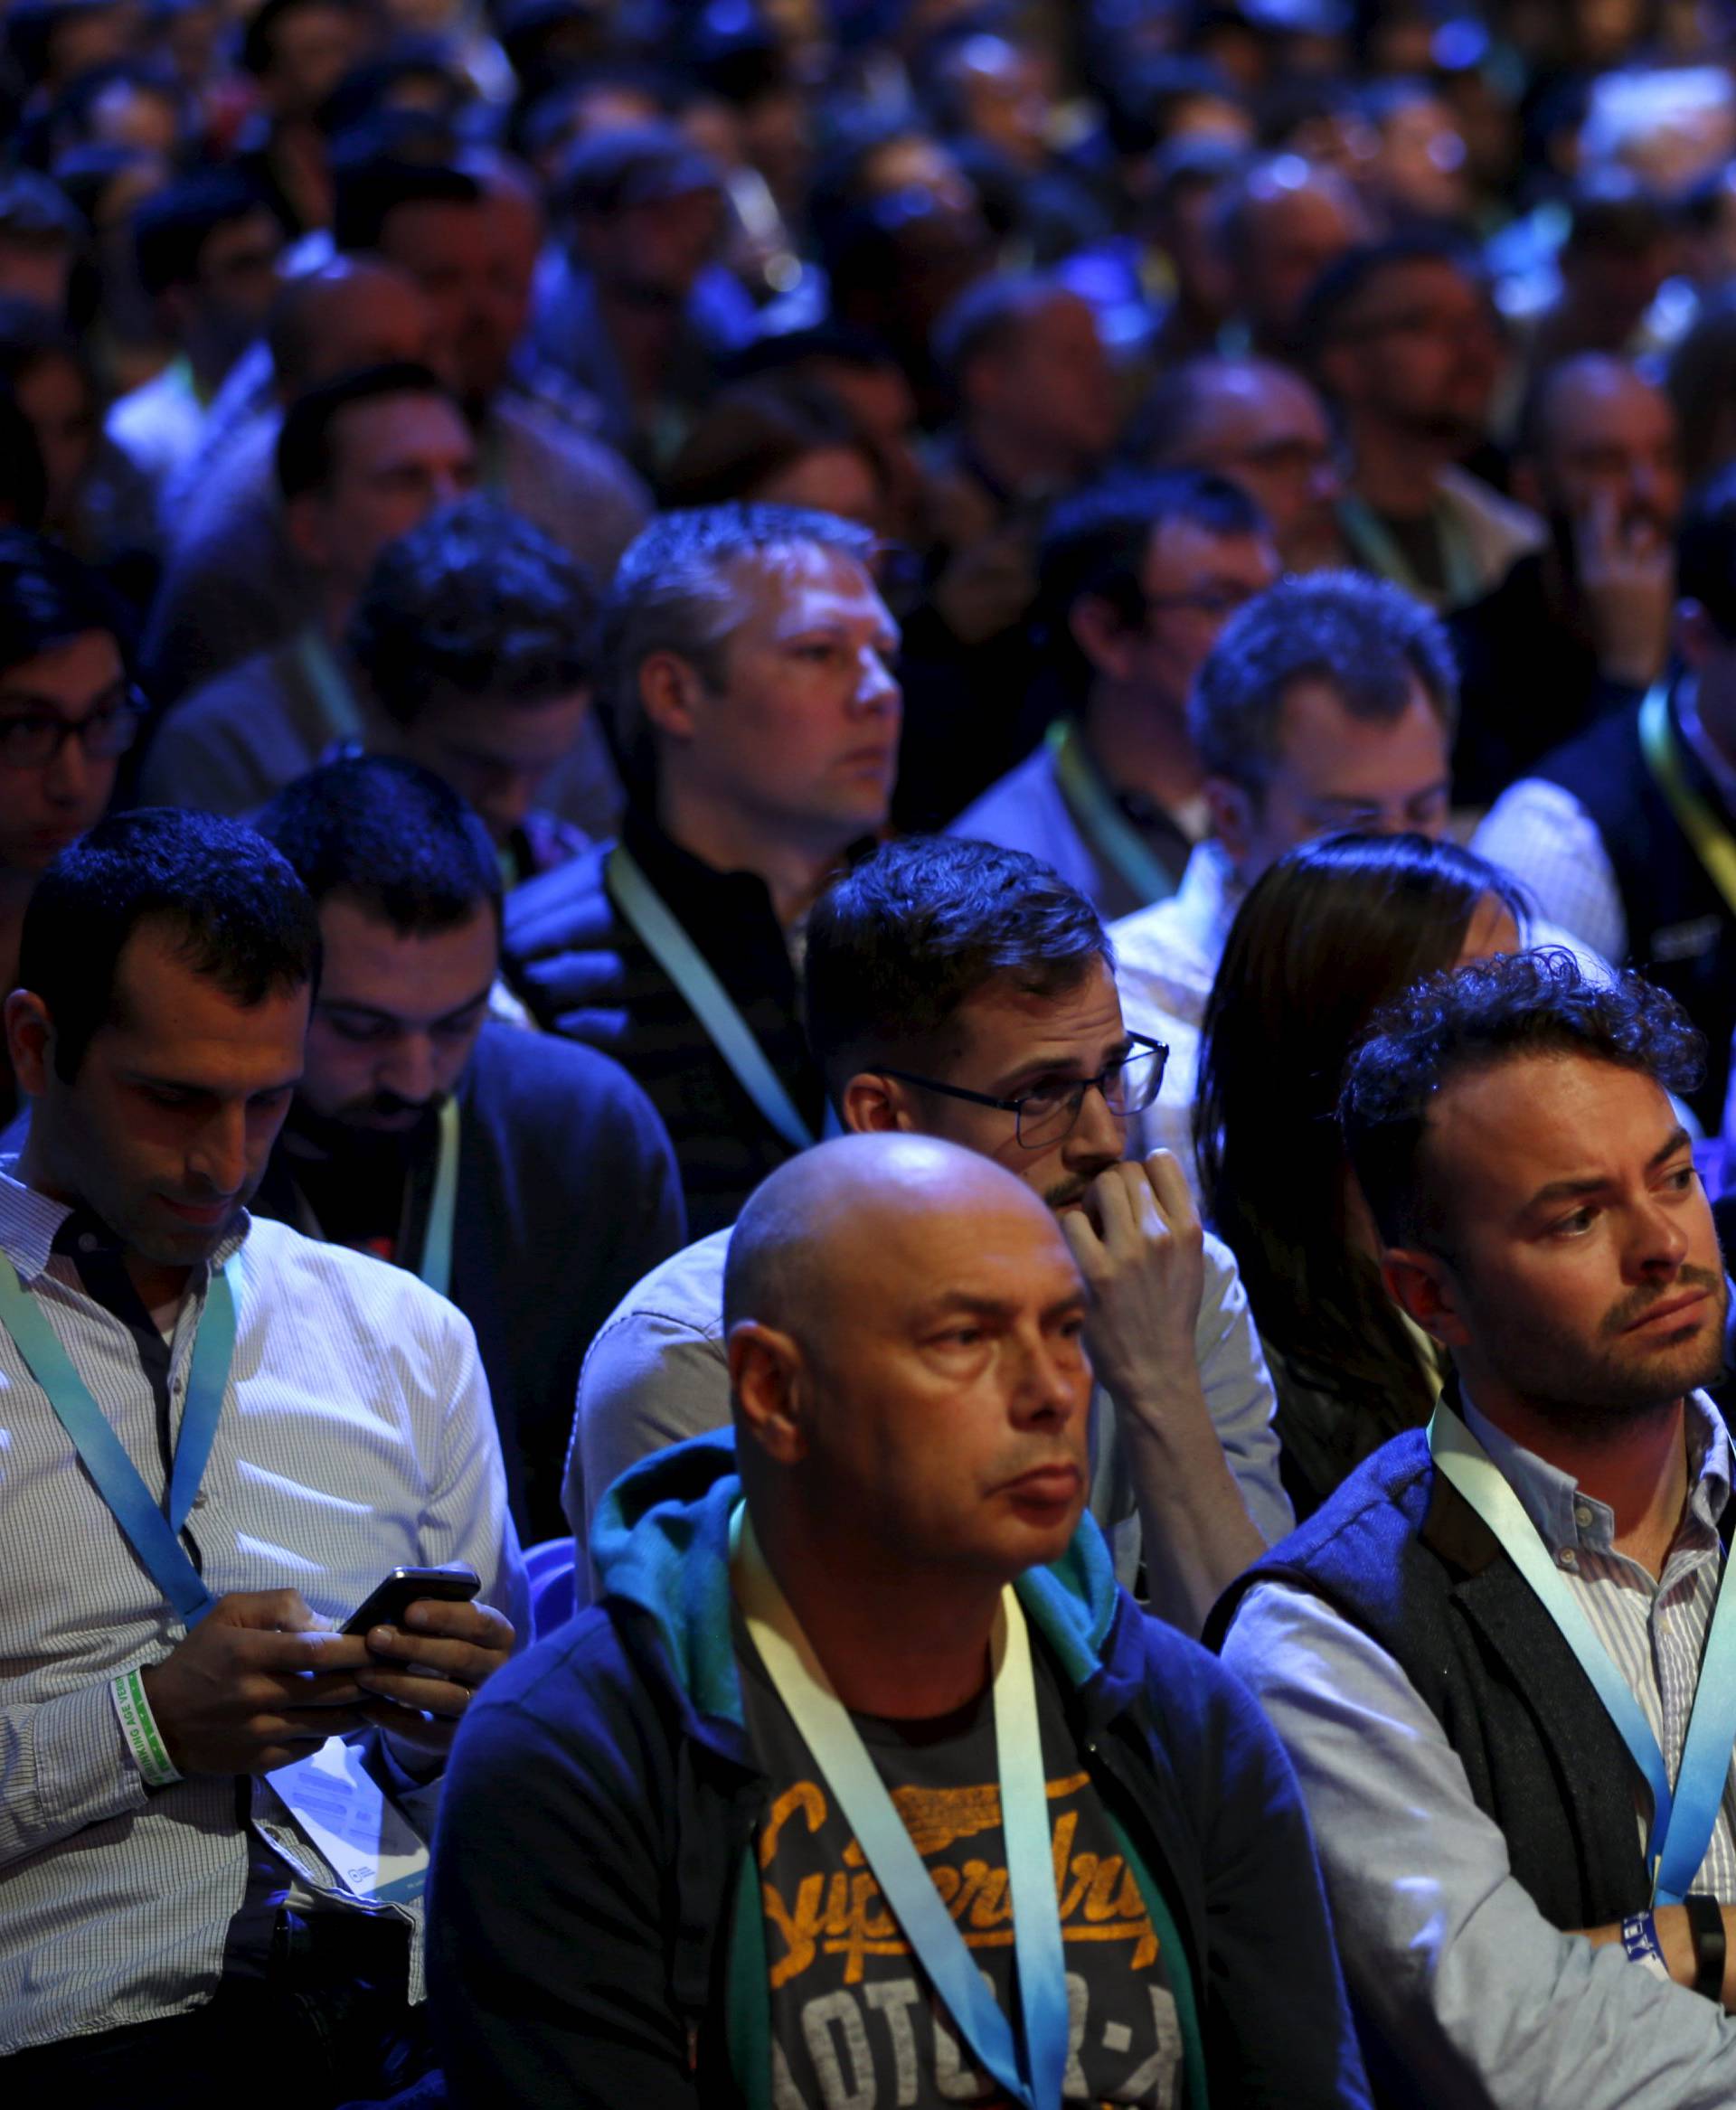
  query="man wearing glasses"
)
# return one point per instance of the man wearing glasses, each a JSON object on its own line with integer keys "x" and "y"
{"x": 1136, "y": 580}
{"x": 960, "y": 991}
{"x": 68, "y": 712}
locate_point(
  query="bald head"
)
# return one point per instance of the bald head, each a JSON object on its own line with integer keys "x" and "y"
{"x": 1258, "y": 422}
{"x": 907, "y": 1378}
{"x": 349, "y": 312}
{"x": 1601, "y": 438}
{"x": 800, "y": 1243}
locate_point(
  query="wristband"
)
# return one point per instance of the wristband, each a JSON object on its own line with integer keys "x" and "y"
{"x": 138, "y": 1725}
{"x": 1706, "y": 1924}
{"x": 1639, "y": 1938}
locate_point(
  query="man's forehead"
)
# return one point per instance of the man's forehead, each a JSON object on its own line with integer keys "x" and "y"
{"x": 1179, "y": 550}
{"x": 783, "y": 587}
{"x": 1005, "y": 1015}
{"x": 1509, "y": 1127}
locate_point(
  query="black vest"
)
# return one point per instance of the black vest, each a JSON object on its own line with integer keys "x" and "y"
{"x": 1681, "y": 933}
{"x": 1399, "y": 1552}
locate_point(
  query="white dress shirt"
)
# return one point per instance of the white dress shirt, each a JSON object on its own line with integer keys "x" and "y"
{"x": 355, "y": 1437}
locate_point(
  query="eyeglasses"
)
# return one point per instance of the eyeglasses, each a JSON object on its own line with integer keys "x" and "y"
{"x": 1216, "y": 603}
{"x": 1129, "y": 1086}
{"x": 31, "y": 740}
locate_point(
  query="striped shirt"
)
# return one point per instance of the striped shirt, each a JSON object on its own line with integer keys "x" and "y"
{"x": 355, "y": 1437}
{"x": 1654, "y": 1628}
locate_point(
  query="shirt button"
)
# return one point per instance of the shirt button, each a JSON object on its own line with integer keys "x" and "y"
{"x": 1583, "y": 1516}
{"x": 200, "y": 1499}
{"x": 87, "y": 1242}
{"x": 1568, "y": 1558}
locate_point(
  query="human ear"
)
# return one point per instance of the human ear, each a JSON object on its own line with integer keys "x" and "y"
{"x": 874, "y": 1105}
{"x": 765, "y": 1371}
{"x": 669, "y": 694}
{"x": 1233, "y": 817}
{"x": 30, "y": 1041}
{"x": 1102, "y": 636}
{"x": 1421, "y": 1285}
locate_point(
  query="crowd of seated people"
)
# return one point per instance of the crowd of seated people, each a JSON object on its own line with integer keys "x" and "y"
{"x": 868, "y": 905}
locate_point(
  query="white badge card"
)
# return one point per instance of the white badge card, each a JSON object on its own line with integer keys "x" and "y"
{"x": 341, "y": 1808}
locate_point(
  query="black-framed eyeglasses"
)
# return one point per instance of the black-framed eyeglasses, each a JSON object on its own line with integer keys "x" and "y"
{"x": 1129, "y": 1085}
{"x": 31, "y": 740}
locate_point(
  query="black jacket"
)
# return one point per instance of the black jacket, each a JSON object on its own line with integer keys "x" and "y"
{"x": 593, "y": 1943}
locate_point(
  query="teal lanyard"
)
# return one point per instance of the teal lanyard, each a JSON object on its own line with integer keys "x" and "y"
{"x": 1374, "y": 544}
{"x": 835, "y": 1747}
{"x": 435, "y": 1266}
{"x": 339, "y": 712}
{"x": 1108, "y": 832}
{"x": 705, "y": 996}
{"x": 1682, "y": 1818}
{"x": 153, "y": 1532}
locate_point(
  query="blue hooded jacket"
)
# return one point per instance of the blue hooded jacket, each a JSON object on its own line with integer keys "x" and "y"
{"x": 592, "y": 1941}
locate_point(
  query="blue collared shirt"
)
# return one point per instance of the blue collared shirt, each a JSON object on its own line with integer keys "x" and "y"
{"x": 355, "y": 1437}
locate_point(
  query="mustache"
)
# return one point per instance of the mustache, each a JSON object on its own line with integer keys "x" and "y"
{"x": 1637, "y": 1303}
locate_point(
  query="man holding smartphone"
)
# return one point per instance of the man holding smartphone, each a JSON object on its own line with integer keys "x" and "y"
{"x": 218, "y": 1437}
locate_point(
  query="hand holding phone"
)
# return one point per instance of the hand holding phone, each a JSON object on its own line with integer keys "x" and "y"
{"x": 436, "y": 1648}
{"x": 387, "y": 1605}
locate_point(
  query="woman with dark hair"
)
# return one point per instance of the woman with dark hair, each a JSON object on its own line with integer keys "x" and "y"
{"x": 1331, "y": 933}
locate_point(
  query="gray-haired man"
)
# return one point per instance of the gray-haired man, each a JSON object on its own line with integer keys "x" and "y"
{"x": 746, "y": 675}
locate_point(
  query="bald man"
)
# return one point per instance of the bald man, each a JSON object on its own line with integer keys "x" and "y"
{"x": 1580, "y": 628}
{"x": 956, "y": 989}
{"x": 674, "y": 1865}
{"x": 1260, "y": 424}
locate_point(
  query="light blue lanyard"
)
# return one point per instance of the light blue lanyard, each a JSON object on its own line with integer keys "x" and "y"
{"x": 1683, "y": 1818}
{"x": 435, "y": 1266}
{"x": 1375, "y": 542}
{"x": 337, "y": 704}
{"x": 154, "y": 1533}
{"x": 836, "y": 1749}
{"x": 705, "y": 996}
{"x": 1106, "y": 828}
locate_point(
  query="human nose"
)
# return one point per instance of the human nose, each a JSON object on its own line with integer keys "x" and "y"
{"x": 878, "y": 688}
{"x": 218, "y": 1160}
{"x": 1051, "y": 1383}
{"x": 66, "y": 775}
{"x": 1658, "y": 1241}
{"x": 410, "y": 1070}
{"x": 1098, "y": 1131}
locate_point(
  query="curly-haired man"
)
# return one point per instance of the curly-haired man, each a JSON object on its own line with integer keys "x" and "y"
{"x": 1496, "y": 1655}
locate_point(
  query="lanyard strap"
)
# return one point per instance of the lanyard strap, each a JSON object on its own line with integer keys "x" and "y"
{"x": 1376, "y": 545}
{"x": 338, "y": 709}
{"x": 705, "y": 996}
{"x": 836, "y": 1749}
{"x": 153, "y": 1532}
{"x": 435, "y": 1266}
{"x": 1682, "y": 1818}
{"x": 1106, "y": 828}
{"x": 1709, "y": 838}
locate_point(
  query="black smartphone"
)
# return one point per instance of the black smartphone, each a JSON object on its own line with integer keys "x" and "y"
{"x": 386, "y": 1606}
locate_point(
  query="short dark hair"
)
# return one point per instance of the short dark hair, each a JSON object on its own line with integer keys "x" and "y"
{"x": 1094, "y": 548}
{"x": 474, "y": 600}
{"x": 671, "y": 592}
{"x": 985, "y": 318}
{"x": 48, "y": 597}
{"x": 896, "y": 945}
{"x": 234, "y": 907}
{"x": 748, "y": 434}
{"x": 1478, "y": 1017}
{"x": 305, "y": 455}
{"x": 389, "y": 836}
{"x": 370, "y": 188}
{"x": 1705, "y": 550}
{"x": 1342, "y": 284}
{"x": 172, "y": 227}
{"x": 1365, "y": 637}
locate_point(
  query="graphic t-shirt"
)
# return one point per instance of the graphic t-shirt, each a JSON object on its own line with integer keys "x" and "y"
{"x": 855, "y": 2024}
